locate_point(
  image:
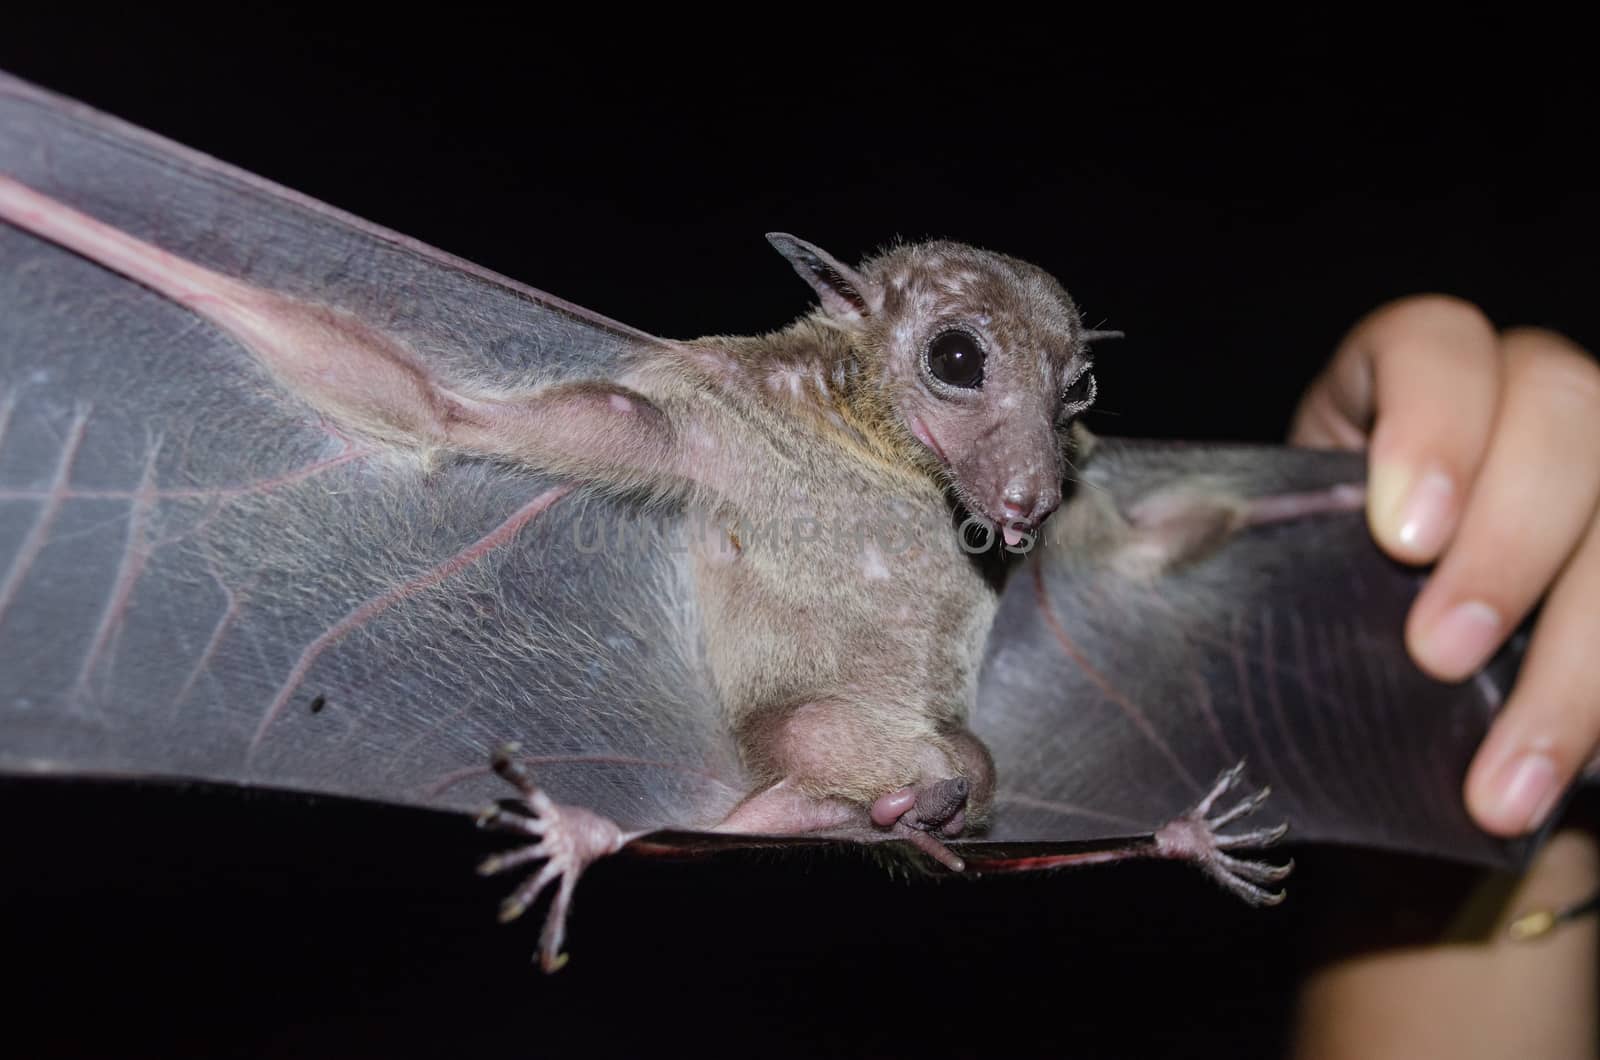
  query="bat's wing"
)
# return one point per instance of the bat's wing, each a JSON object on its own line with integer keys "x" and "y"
{"x": 1123, "y": 677}
{"x": 200, "y": 579}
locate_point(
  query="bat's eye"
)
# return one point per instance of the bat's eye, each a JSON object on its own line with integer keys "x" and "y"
{"x": 1080, "y": 392}
{"x": 956, "y": 358}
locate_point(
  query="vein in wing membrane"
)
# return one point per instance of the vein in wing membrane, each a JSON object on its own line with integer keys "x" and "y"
{"x": 190, "y": 561}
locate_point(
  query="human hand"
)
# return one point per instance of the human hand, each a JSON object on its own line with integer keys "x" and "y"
{"x": 1484, "y": 455}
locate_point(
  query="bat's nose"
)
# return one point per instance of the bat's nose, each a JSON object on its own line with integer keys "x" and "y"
{"x": 1025, "y": 501}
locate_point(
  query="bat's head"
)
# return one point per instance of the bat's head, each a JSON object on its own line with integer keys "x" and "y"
{"x": 974, "y": 362}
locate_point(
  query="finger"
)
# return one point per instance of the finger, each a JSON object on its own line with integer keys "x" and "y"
{"x": 1551, "y": 724}
{"x": 1531, "y": 505}
{"x": 1423, "y": 374}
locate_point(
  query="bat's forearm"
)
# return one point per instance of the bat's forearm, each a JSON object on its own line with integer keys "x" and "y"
{"x": 368, "y": 381}
{"x": 591, "y": 430}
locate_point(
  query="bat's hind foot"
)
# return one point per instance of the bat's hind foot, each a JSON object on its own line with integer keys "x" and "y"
{"x": 569, "y": 839}
{"x": 1197, "y": 837}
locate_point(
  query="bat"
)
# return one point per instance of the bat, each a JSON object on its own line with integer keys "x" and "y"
{"x": 291, "y": 501}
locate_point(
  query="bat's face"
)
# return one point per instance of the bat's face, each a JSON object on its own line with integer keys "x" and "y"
{"x": 986, "y": 366}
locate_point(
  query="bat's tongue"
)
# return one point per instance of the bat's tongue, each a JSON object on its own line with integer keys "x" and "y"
{"x": 1013, "y": 537}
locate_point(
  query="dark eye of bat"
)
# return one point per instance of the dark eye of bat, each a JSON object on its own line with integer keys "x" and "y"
{"x": 956, "y": 358}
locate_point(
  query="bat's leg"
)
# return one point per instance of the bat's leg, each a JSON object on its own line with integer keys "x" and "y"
{"x": 1196, "y": 837}
{"x": 1174, "y": 527}
{"x": 366, "y": 379}
{"x": 569, "y": 839}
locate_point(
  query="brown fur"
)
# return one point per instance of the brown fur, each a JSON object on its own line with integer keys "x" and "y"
{"x": 848, "y": 669}
{"x": 821, "y": 467}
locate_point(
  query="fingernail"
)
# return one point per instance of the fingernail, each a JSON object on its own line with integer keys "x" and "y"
{"x": 1414, "y": 512}
{"x": 1524, "y": 792}
{"x": 1460, "y": 641}
{"x": 1425, "y": 519}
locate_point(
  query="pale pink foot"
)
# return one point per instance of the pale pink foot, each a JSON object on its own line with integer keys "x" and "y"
{"x": 1196, "y": 837}
{"x": 570, "y": 838}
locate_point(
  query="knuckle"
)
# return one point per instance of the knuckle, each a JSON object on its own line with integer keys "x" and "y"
{"x": 1532, "y": 336}
{"x": 1554, "y": 367}
{"x": 1436, "y": 330}
{"x": 1437, "y": 312}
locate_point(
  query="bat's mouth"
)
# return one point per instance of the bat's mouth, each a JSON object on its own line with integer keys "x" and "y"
{"x": 1014, "y": 530}
{"x": 1016, "y": 533}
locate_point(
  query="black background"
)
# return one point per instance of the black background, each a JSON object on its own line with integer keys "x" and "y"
{"x": 1233, "y": 214}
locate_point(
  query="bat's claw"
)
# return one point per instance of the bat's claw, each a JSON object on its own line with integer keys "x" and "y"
{"x": 570, "y": 838}
{"x": 1197, "y": 837}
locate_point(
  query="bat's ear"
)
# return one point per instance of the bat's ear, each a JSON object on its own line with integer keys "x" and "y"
{"x": 845, "y": 293}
